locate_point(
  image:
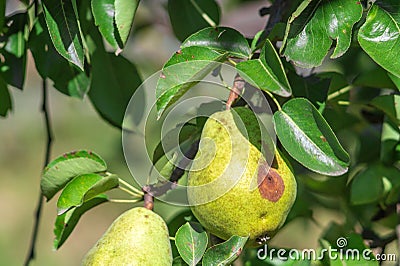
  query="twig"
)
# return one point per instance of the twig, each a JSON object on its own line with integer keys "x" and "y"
{"x": 203, "y": 14}
{"x": 163, "y": 187}
{"x": 339, "y": 92}
{"x": 49, "y": 135}
{"x": 237, "y": 89}
{"x": 276, "y": 13}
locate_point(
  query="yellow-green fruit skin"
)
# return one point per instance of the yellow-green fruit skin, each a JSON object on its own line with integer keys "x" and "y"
{"x": 137, "y": 237}
{"x": 241, "y": 211}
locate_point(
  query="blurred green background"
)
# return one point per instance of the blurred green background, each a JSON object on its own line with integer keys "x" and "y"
{"x": 76, "y": 125}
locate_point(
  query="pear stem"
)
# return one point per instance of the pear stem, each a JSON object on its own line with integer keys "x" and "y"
{"x": 232, "y": 62}
{"x": 130, "y": 192}
{"x": 130, "y": 187}
{"x": 274, "y": 99}
{"x": 124, "y": 200}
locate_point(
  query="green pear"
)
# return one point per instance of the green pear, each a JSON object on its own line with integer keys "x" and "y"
{"x": 137, "y": 237}
{"x": 231, "y": 187}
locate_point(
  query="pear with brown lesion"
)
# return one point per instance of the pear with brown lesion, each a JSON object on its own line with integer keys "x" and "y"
{"x": 137, "y": 237}
{"x": 232, "y": 188}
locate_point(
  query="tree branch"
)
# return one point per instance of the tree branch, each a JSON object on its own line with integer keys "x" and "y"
{"x": 237, "y": 89}
{"x": 275, "y": 15}
{"x": 163, "y": 187}
{"x": 49, "y": 140}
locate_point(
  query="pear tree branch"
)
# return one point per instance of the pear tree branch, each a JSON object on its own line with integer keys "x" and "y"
{"x": 49, "y": 141}
{"x": 237, "y": 89}
{"x": 162, "y": 187}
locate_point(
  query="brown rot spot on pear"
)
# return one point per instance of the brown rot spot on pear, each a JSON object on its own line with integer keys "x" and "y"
{"x": 271, "y": 186}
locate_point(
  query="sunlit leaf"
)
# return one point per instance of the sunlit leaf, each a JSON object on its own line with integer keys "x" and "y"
{"x": 66, "y": 222}
{"x": 308, "y": 138}
{"x": 222, "y": 39}
{"x": 83, "y": 188}
{"x": 62, "y": 23}
{"x": 124, "y": 14}
{"x": 379, "y": 36}
{"x": 62, "y": 169}
{"x": 267, "y": 72}
{"x": 50, "y": 64}
{"x": 331, "y": 21}
{"x": 104, "y": 14}
{"x": 182, "y": 71}
{"x": 191, "y": 241}
{"x": 224, "y": 253}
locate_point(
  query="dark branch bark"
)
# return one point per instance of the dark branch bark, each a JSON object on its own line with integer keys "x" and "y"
{"x": 49, "y": 140}
{"x": 161, "y": 188}
{"x": 275, "y": 15}
{"x": 237, "y": 89}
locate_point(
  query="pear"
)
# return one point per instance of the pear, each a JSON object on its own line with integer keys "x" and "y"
{"x": 137, "y": 237}
{"x": 231, "y": 187}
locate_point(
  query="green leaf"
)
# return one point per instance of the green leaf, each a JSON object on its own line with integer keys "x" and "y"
{"x": 104, "y": 13}
{"x": 83, "y": 188}
{"x": 390, "y": 105}
{"x": 308, "y": 138}
{"x": 50, "y": 64}
{"x": 392, "y": 175}
{"x": 178, "y": 261}
{"x": 367, "y": 186}
{"x": 124, "y": 14}
{"x": 177, "y": 79}
{"x": 314, "y": 87}
{"x": 302, "y": 15}
{"x": 191, "y": 241}
{"x": 225, "y": 253}
{"x": 186, "y": 132}
{"x": 13, "y": 64}
{"x": 332, "y": 20}
{"x": 190, "y": 16}
{"x": 390, "y": 138}
{"x": 62, "y": 23}
{"x": 395, "y": 80}
{"x": 379, "y": 37}
{"x": 114, "y": 81}
{"x": 222, "y": 39}
{"x": 66, "y": 222}
{"x": 61, "y": 170}
{"x": 5, "y": 98}
{"x": 267, "y": 72}
{"x": 374, "y": 78}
